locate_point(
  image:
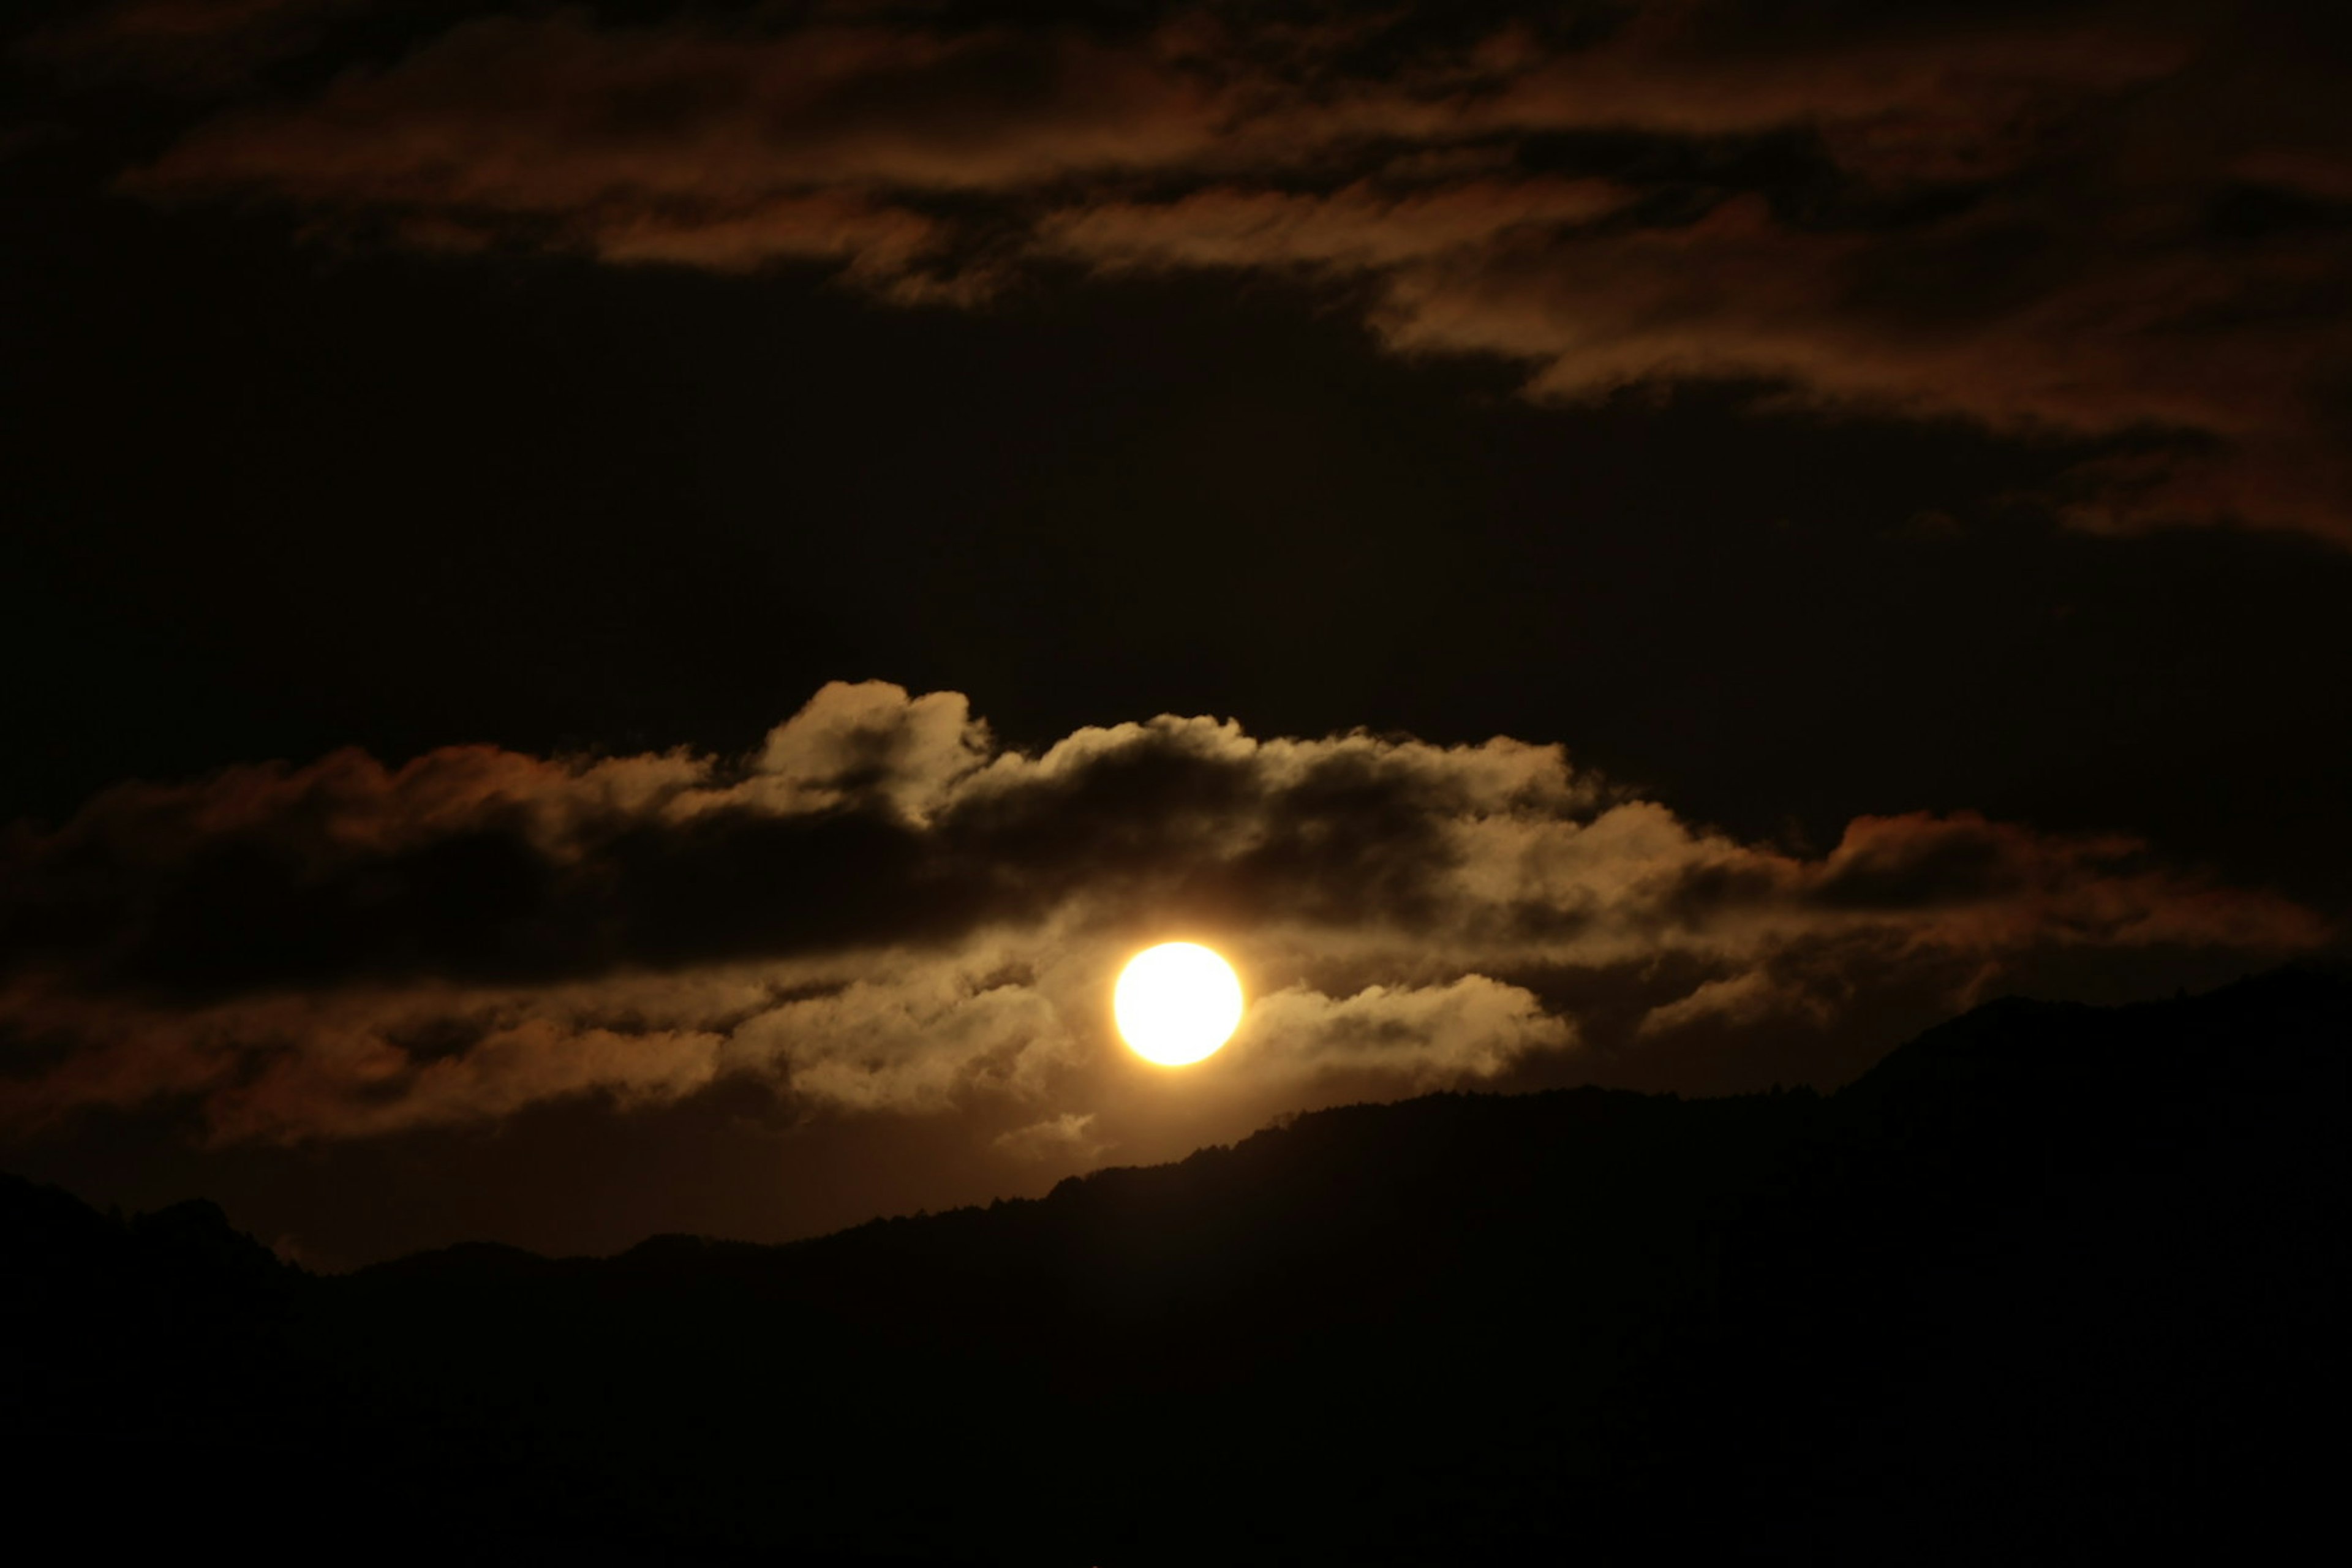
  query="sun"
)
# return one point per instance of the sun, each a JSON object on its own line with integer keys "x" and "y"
{"x": 1177, "y": 1003}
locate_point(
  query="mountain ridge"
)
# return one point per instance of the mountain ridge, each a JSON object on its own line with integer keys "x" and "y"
{"x": 2039, "y": 1239}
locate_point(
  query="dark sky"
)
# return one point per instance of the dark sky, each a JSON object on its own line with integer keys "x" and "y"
{"x": 1879, "y": 466}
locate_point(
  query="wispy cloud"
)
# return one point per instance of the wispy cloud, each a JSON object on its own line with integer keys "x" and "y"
{"x": 2098, "y": 222}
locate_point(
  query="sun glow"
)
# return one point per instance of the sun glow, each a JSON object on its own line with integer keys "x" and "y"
{"x": 1177, "y": 1003}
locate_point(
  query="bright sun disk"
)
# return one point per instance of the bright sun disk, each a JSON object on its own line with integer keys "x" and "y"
{"x": 1177, "y": 1003}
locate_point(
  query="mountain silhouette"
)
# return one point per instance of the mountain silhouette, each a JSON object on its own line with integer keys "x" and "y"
{"x": 2048, "y": 1280}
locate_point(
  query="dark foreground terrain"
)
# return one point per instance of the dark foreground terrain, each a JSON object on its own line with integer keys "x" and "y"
{"x": 2049, "y": 1281}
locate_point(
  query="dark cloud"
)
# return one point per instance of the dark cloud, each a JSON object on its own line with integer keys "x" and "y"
{"x": 479, "y": 865}
{"x": 883, "y": 909}
{"x": 2018, "y": 216}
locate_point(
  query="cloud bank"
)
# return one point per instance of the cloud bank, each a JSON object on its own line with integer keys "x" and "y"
{"x": 882, "y": 909}
{"x": 2086, "y": 221}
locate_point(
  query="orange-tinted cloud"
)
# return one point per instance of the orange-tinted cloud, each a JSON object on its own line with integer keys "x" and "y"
{"x": 2090, "y": 223}
{"x": 1360, "y": 229}
{"x": 702, "y": 145}
{"x": 883, "y": 910}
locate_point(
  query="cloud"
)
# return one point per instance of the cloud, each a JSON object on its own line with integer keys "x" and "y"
{"x": 1744, "y": 999}
{"x": 1358, "y": 228}
{"x": 2092, "y": 223}
{"x": 1904, "y": 95}
{"x": 882, "y": 909}
{"x": 708, "y": 145}
{"x": 1069, "y": 1136}
{"x": 871, "y": 738}
{"x": 1470, "y": 1029}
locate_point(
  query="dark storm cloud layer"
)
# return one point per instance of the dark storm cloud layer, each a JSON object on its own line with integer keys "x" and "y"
{"x": 884, "y": 909}
{"x": 2124, "y": 222}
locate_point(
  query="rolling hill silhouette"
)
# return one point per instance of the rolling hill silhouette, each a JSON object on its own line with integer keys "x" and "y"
{"x": 2050, "y": 1279}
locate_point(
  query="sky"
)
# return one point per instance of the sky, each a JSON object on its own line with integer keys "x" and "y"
{"x": 617, "y": 614}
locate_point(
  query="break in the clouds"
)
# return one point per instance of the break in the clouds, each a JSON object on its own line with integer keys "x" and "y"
{"x": 2118, "y": 223}
{"x": 883, "y": 909}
